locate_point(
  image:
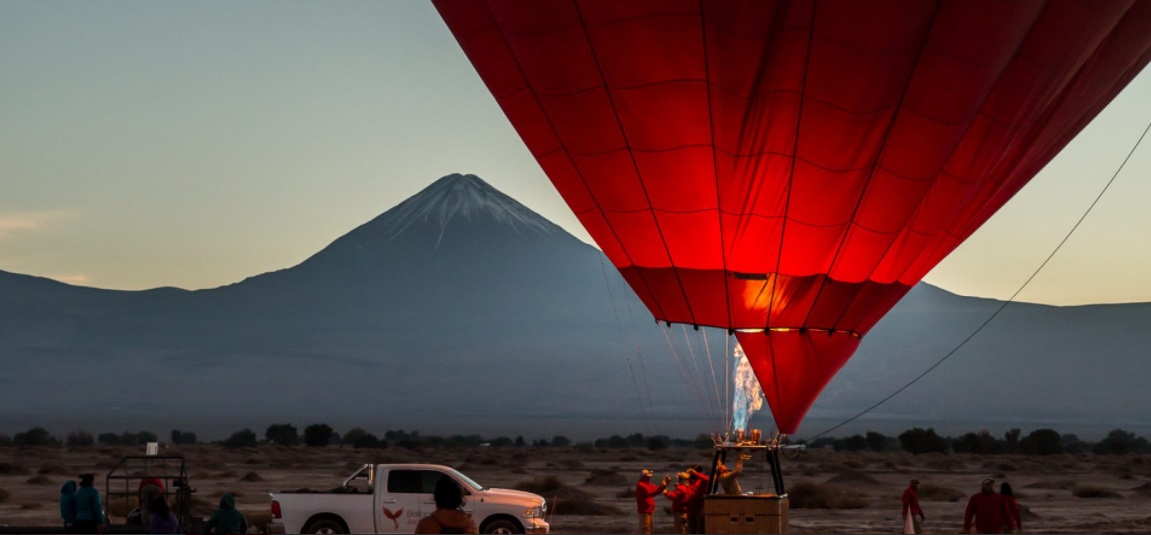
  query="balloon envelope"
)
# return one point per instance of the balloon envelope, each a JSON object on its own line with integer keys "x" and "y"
{"x": 789, "y": 170}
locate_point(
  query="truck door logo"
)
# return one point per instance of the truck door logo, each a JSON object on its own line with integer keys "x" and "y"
{"x": 394, "y": 516}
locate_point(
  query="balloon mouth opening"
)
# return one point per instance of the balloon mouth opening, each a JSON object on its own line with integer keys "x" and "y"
{"x": 800, "y": 330}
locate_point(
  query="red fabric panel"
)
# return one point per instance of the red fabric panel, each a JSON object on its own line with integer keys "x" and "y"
{"x": 793, "y": 367}
{"x": 794, "y": 163}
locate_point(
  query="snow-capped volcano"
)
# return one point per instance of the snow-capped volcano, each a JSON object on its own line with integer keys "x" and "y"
{"x": 466, "y": 198}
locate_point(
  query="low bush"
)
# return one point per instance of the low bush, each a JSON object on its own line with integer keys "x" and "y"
{"x": 12, "y": 469}
{"x": 565, "y": 500}
{"x": 251, "y": 477}
{"x": 1094, "y": 491}
{"x": 937, "y": 493}
{"x": 605, "y": 478}
{"x": 809, "y": 495}
{"x": 1063, "y": 484}
{"x": 53, "y": 468}
{"x": 853, "y": 478}
{"x": 4, "y": 495}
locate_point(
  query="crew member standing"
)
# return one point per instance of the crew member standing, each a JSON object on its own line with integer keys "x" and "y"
{"x": 911, "y": 509}
{"x": 645, "y": 493}
{"x": 680, "y": 496}
{"x": 989, "y": 511}
{"x": 699, "y": 486}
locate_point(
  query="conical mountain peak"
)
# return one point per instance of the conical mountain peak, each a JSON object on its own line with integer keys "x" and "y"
{"x": 463, "y": 197}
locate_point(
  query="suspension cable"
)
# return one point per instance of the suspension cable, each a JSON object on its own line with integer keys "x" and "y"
{"x": 1009, "y": 300}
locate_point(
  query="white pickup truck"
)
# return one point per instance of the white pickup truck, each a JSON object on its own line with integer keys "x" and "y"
{"x": 392, "y": 498}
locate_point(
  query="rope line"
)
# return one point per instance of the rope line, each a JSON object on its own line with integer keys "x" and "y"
{"x": 1007, "y": 302}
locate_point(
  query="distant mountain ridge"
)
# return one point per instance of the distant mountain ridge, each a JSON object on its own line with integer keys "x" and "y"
{"x": 460, "y": 309}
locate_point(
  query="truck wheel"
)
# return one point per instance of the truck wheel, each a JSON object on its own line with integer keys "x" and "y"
{"x": 503, "y": 526}
{"x": 325, "y": 526}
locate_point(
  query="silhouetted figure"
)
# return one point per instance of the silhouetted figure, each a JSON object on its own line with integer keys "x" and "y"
{"x": 699, "y": 484}
{"x": 161, "y": 519}
{"x": 911, "y": 509}
{"x": 989, "y": 511}
{"x": 449, "y": 516}
{"x": 1012, "y": 508}
{"x": 227, "y": 520}
{"x": 89, "y": 511}
{"x": 68, "y": 504}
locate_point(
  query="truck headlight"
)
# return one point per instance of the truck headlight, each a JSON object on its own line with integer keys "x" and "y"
{"x": 535, "y": 511}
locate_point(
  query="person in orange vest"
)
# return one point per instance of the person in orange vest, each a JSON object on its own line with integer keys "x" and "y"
{"x": 911, "y": 509}
{"x": 645, "y": 493}
{"x": 680, "y": 496}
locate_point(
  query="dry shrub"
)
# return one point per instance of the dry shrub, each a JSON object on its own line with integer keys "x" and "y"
{"x": 226, "y": 474}
{"x": 853, "y": 478}
{"x": 1063, "y": 484}
{"x": 944, "y": 464}
{"x": 565, "y": 500}
{"x": 4, "y": 495}
{"x": 1002, "y": 466}
{"x": 53, "y": 468}
{"x": 106, "y": 464}
{"x": 39, "y": 480}
{"x": 626, "y": 492}
{"x": 809, "y": 495}
{"x": 518, "y": 471}
{"x": 251, "y": 477}
{"x": 12, "y": 469}
{"x": 854, "y": 465}
{"x": 573, "y": 464}
{"x": 833, "y": 467}
{"x": 607, "y": 478}
{"x": 1094, "y": 491}
{"x": 937, "y": 493}
{"x": 30, "y": 506}
{"x": 1144, "y": 489}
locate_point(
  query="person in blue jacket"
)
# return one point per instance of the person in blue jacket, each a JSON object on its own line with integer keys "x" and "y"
{"x": 68, "y": 504}
{"x": 227, "y": 520}
{"x": 89, "y": 511}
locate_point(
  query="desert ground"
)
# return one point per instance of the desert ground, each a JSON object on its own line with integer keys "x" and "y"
{"x": 832, "y": 492}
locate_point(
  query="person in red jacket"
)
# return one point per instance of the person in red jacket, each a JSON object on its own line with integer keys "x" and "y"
{"x": 1012, "y": 508}
{"x": 699, "y": 483}
{"x": 989, "y": 511}
{"x": 645, "y": 493}
{"x": 911, "y": 508}
{"x": 680, "y": 496}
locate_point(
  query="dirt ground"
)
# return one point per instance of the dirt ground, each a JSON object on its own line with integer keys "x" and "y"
{"x": 1119, "y": 486}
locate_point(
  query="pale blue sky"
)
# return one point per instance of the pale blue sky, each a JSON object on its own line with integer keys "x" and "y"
{"x": 194, "y": 144}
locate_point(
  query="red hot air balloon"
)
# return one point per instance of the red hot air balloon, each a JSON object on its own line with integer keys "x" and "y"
{"x": 788, "y": 170}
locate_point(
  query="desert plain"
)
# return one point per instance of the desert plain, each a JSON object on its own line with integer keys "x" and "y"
{"x": 589, "y": 490}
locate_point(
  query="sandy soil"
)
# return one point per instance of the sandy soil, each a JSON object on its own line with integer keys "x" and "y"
{"x": 31, "y": 478}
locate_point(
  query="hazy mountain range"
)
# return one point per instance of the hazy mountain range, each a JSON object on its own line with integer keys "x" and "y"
{"x": 461, "y": 310}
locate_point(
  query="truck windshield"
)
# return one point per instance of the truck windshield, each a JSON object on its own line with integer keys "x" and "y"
{"x": 467, "y": 480}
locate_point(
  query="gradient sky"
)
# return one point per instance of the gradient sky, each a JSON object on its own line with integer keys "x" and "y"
{"x": 194, "y": 144}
